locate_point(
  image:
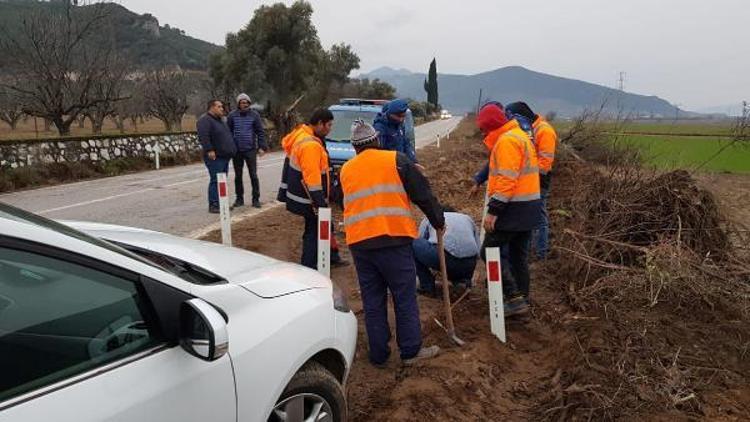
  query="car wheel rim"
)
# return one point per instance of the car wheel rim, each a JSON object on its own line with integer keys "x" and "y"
{"x": 305, "y": 407}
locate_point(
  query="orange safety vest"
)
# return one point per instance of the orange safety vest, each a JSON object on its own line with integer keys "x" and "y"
{"x": 514, "y": 170}
{"x": 545, "y": 140}
{"x": 375, "y": 201}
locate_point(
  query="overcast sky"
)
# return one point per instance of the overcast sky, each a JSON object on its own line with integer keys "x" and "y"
{"x": 690, "y": 52}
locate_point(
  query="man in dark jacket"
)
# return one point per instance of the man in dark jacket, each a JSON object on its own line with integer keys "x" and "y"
{"x": 218, "y": 148}
{"x": 389, "y": 124}
{"x": 249, "y": 136}
{"x": 379, "y": 187}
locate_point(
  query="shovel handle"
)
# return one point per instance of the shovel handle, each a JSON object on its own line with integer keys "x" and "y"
{"x": 446, "y": 292}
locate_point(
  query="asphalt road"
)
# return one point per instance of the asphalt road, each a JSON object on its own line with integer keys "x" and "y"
{"x": 171, "y": 200}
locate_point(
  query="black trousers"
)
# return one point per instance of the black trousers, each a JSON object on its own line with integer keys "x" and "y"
{"x": 514, "y": 256}
{"x": 251, "y": 159}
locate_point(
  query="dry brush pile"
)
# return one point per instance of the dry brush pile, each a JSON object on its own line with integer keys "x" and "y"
{"x": 660, "y": 296}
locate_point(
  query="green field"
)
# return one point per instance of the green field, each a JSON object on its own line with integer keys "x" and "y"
{"x": 674, "y": 151}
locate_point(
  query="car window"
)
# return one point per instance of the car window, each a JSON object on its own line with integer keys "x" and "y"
{"x": 59, "y": 319}
{"x": 342, "y": 123}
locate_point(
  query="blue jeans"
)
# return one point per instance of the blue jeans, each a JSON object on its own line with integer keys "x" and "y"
{"x": 540, "y": 235}
{"x": 219, "y": 165}
{"x": 426, "y": 259}
{"x": 378, "y": 271}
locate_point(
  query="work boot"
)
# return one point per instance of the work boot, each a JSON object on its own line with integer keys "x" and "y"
{"x": 213, "y": 209}
{"x": 239, "y": 202}
{"x": 424, "y": 353}
{"x": 256, "y": 203}
{"x": 516, "y": 306}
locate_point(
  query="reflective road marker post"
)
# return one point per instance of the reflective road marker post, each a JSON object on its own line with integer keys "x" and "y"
{"x": 224, "y": 216}
{"x": 495, "y": 292}
{"x": 157, "y": 150}
{"x": 324, "y": 241}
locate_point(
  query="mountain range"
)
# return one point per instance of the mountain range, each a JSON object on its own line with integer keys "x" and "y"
{"x": 543, "y": 92}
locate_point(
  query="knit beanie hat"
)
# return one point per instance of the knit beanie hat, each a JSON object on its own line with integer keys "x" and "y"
{"x": 363, "y": 133}
{"x": 396, "y": 106}
{"x": 522, "y": 109}
{"x": 243, "y": 96}
{"x": 490, "y": 118}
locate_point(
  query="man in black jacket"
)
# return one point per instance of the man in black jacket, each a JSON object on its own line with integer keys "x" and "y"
{"x": 218, "y": 148}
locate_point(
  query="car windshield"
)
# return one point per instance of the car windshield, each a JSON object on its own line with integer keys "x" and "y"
{"x": 342, "y": 123}
{"x": 17, "y": 214}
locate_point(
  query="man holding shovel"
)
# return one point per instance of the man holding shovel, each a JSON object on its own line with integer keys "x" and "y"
{"x": 378, "y": 188}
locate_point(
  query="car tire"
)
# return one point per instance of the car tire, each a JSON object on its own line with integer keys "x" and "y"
{"x": 313, "y": 382}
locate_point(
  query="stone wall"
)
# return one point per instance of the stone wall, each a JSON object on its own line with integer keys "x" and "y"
{"x": 14, "y": 154}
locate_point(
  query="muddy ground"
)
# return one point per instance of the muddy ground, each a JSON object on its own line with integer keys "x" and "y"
{"x": 485, "y": 379}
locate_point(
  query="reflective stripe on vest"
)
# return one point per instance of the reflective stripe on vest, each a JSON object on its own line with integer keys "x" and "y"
{"x": 383, "y": 188}
{"x": 375, "y": 212}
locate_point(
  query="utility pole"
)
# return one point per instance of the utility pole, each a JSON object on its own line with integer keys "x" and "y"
{"x": 622, "y": 81}
{"x": 745, "y": 109}
{"x": 479, "y": 101}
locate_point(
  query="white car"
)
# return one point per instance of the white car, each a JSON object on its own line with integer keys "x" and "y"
{"x": 145, "y": 326}
{"x": 445, "y": 114}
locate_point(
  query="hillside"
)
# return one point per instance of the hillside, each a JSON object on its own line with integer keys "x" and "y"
{"x": 568, "y": 97}
{"x": 140, "y": 37}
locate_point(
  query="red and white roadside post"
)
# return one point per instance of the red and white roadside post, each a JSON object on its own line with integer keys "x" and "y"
{"x": 324, "y": 241}
{"x": 495, "y": 292}
{"x": 224, "y": 213}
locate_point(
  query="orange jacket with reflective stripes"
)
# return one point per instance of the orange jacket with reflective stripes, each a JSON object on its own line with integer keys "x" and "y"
{"x": 309, "y": 156}
{"x": 375, "y": 201}
{"x": 513, "y": 186}
{"x": 545, "y": 141}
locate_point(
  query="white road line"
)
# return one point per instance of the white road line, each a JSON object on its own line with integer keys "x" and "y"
{"x": 108, "y": 198}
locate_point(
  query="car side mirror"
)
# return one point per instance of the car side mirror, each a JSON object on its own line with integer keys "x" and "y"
{"x": 203, "y": 330}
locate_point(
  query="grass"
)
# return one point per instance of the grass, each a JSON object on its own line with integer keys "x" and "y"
{"x": 688, "y": 152}
{"x": 26, "y": 130}
{"x": 666, "y": 127}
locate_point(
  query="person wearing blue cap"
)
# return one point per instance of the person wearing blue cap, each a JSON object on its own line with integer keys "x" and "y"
{"x": 389, "y": 124}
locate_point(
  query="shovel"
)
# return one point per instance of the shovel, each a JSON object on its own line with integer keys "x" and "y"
{"x": 451, "y": 329}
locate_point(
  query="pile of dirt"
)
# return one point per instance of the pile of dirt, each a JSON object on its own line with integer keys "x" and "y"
{"x": 628, "y": 328}
{"x": 646, "y": 257}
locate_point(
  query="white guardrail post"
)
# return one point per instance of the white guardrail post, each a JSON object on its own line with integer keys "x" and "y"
{"x": 157, "y": 150}
{"x": 324, "y": 241}
{"x": 495, "y": 293}
{"x": 224, "y": 212}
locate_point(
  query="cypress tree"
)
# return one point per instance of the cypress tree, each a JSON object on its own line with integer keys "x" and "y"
{"x": 431, "y": 84}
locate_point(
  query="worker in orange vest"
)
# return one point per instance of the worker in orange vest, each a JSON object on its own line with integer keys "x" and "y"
{"x": 514, "y": 207}
{"x": 378, "y": 187}
{"x": 306, "y": 181}
{"x": 545, "y": 142}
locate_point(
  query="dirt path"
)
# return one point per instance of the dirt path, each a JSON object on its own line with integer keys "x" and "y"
{"x": 485, "y": 380}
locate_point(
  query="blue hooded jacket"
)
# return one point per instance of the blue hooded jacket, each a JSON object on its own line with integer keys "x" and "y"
{"x": 392, "y": 134}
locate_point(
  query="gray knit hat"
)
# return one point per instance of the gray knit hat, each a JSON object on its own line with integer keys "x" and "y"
{"x": 363, "y": 133}
{"x": 243, "y": 96}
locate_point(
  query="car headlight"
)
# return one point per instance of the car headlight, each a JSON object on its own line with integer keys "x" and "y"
{"x": 340, "y": 303}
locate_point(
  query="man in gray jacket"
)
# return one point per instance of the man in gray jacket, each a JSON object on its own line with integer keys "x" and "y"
{"x": 461, "y": 251}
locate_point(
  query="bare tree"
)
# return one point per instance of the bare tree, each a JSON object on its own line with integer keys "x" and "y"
{"x": 56, "y": 58}
{"x": 166, "y": 96}
{"x": 10, "y": 108}
{"x": 108, "y": 89}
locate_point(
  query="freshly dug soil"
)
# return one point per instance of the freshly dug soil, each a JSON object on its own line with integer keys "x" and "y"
{"x": 539, "y": 373}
